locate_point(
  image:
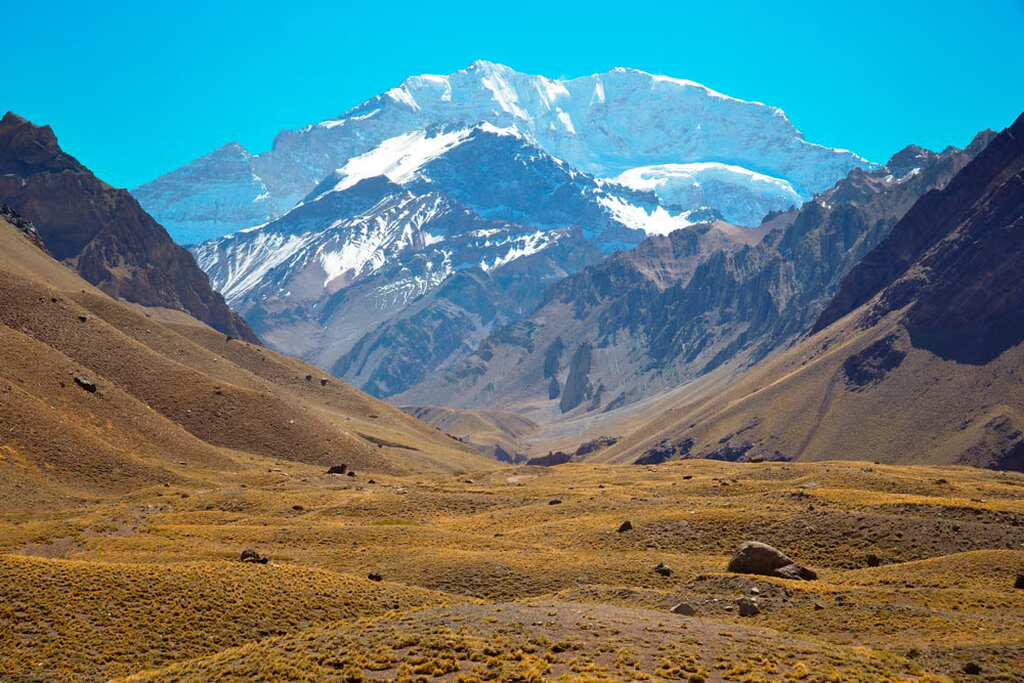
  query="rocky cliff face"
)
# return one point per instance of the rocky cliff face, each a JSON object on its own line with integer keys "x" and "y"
{"x": 742, "y": 158}
{"x": 101, "y": 231}
{"x": 678, "y": 307}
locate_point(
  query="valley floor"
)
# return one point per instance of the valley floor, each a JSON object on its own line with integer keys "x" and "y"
{"x": 523, "y": 574}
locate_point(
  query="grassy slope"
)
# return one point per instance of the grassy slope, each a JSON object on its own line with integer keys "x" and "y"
{"x": 928, "y": 410}
{"x": 557, "y": 582}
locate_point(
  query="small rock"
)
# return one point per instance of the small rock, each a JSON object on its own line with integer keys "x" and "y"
{"x": 374, "y": 576}
{"x": 684, "y": 609}
{"x": 1019, "y": 583}
{"x": 83, "y": 318}
{"x": 309, "y": 378}
{"x": 663, "y": 570}
{"x": 818, "y": 607}
{"x": 338, "y": 469}
{"x": 86, "y": 384}
{"x": 323, "y": 381}
{"x": 250, "y": 555}
{"x": 625, "y": 526}
{"x": 298, "y": 508}
{"x": 351, "y": 473}
{"x": 873, "y": 560}
{"x": 554, "y": 501}
{"x": 371, "y": 481}
{"x": 748, "y": 607}
{"x": 972, "y": 669}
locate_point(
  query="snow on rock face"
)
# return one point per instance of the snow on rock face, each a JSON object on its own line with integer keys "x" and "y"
{"x": 398, "y": 158}
{"x": 742, "y": 196}
{"x": 604, "y": 124}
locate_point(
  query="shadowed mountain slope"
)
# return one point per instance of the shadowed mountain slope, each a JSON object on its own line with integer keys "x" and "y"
{"x": 101, "y": 231}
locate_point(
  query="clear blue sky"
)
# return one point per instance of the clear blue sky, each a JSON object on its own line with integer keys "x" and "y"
{"x": 136, "y": 91}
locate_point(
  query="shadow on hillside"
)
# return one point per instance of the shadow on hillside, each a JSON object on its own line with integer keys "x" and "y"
{"x": 975, "y": 344}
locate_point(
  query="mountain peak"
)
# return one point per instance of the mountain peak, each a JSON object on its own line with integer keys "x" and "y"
{"x": 12, "y": 119}
{"x": 485, "y": 65}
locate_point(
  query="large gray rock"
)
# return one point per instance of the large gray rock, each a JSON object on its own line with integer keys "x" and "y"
{"x": 760, "y": 558}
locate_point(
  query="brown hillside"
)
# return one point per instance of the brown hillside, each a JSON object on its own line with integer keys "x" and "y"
{"x": 169, "y": 396}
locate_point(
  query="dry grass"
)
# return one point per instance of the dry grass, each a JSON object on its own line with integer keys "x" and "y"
{"x": 564, "y": 594}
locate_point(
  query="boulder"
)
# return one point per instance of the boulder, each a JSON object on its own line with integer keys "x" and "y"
{"x": 374, "y": 576}
{"x": 554, "y": 501}
{"x": 86, "y": 384}
{"x": 337, "y": 469}
{"x": 747, "y": 607}
{"x": 625, "y": 526}
{"x": 250, "y": 555}
{"x": 685, "y": 609}
{"x": 1019, "y": 583}
{"x": 759, "y": 558}
{"x": 663, "y": 570}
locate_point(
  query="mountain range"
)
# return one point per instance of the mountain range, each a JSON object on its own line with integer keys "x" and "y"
{"x": 680, "y": 306}
{"x": 386, "y": 245}
{"x": 691, "y": 145}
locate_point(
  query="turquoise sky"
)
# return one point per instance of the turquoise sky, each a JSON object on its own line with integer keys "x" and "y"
{"x": 136, "y": 91}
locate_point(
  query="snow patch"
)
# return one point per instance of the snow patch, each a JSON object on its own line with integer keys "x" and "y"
{"x": 656, "y": 222}
{"x": 403, "y": 96}
{"x": 504, "y": 94}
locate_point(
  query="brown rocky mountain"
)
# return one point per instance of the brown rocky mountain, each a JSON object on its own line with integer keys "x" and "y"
{"x": 101, "y": 231}
{"x": 681, "y": 306}
{"x": 920, "y": 357}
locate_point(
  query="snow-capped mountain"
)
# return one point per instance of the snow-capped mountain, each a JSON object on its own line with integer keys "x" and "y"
{"x": 607, "y": 125}
{"x": 362, "y": 216}
{"x": 450, "y": 230}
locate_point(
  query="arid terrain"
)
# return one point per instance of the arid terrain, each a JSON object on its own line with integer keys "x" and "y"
{"x": 486, "y": 577}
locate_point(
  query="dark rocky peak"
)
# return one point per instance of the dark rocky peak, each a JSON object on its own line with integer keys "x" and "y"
{"x": 909, "y": 158}
{"x": 27, "y": 149}
{"x": 102, "y": 232}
